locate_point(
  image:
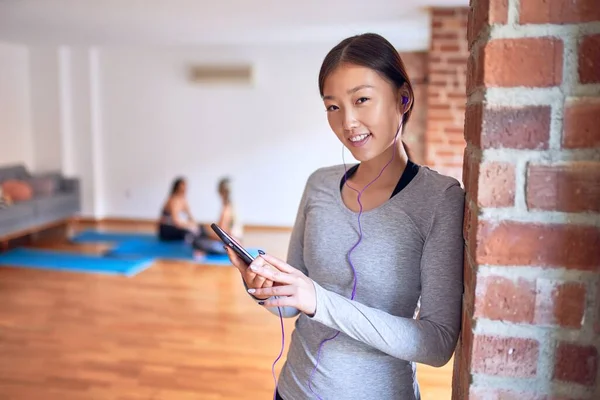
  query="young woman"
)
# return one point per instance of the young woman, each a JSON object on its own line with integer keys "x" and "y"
{"x": 371, "y": 245}
{"x": 176, "y": 220}
{"x": 207, "y": 240}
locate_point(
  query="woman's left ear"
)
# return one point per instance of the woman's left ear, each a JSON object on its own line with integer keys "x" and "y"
{"x": 404, "y": 101}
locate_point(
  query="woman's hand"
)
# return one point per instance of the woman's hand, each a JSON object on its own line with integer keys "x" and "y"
{"x": 252, "y": 280}
{"x": 293, "y": 287}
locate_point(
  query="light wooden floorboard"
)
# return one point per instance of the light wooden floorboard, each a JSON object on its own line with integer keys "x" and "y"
{"x": 176, "y": 331}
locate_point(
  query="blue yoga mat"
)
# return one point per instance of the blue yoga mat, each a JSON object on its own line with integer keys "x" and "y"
{"x": 54, "y": 260}
{"x": 148, "y": 245}
{"x": 153, "y": 248}
{"x": 100, "y": 236}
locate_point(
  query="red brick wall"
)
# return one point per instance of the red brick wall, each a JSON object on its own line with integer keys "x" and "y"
{"x": 531, "y": 318}
{"x": 448, "y": 54}
{"x": 414, "y": 134}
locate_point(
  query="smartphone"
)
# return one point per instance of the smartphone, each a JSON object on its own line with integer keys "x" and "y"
{"x": 235, "y": 246}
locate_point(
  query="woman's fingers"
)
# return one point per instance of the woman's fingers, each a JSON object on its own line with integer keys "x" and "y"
{"x": 268, "y": 283}
{"x": 236, "y": 260}
{"x": 279, "y": 264}
{"x": 256, "y": 281}
{"x": 285, "y": 301}
{"x": 287, "y": 290}
{"x": 290, "y": 287}
{"x": 266, "y": 271}
{"x": 251, "y": 278}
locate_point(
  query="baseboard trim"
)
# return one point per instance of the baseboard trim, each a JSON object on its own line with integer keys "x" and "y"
{"x": 151, "y": 222}
{"x": 267, "y": 228}
{"x": 87, "y": 220}
{"x": 117, "y": 220}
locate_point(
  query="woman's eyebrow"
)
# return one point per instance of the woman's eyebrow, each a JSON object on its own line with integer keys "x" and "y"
{"x": 350, "y": 91}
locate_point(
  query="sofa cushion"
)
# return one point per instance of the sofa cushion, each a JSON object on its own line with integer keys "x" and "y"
{"x": 43, "y": 185}
{"x": 17, "y": 190}
{"x": 18, "y": 172}
{"x": 67, "y": 201}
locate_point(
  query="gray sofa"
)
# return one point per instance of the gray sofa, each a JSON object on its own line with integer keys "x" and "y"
{"x": 61, "y": 202}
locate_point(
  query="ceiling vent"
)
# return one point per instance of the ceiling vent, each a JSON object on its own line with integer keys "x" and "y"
{"x": 222, "y": 74}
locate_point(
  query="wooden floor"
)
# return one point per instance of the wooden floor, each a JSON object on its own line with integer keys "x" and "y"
{"x": 176, "y": 331}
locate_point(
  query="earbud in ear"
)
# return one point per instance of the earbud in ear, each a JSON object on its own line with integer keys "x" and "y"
{"x": 404, "y": 100}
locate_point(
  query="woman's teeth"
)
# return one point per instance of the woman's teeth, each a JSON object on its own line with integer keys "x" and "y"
{"x": 359, "y": 137}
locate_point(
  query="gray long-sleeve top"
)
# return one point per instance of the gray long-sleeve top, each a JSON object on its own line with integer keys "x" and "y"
{"x": 412, "y": 248}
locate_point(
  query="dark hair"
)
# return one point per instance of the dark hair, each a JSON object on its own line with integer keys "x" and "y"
{"x": 176, "y": 183}
{"x": 375, "y": 52}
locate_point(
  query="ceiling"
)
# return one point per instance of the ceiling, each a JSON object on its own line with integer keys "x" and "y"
{"x": 189, "y": 22}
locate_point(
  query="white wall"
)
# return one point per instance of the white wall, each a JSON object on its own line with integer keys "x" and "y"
{"x": 65, "y": 110}
{"x": 79, "y": 156}
{"x": 128, "y": 120}
{"x": 15, "y": 112}
{"x": 45, "y": 104}
{"x": 156, "y": 124}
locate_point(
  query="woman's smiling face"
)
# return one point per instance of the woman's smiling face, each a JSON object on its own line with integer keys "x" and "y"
{"x": 363, "y": 110}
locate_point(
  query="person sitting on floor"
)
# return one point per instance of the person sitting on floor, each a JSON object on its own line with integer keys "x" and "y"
{"x": 207, "y": 241}
{"x": 176, "y": 220}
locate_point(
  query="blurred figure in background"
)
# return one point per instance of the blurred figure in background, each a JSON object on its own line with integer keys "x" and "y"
{"x": 207, "y": 241}
{"x": 176, "y": 220}
{"x": 178, "y": 224}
